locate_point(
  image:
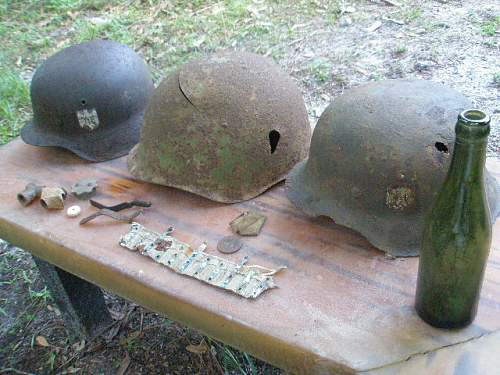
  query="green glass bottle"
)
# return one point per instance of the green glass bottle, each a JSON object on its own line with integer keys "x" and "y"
{"x": 457, "y": 234}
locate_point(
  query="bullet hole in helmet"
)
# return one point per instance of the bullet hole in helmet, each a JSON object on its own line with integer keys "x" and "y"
{"x": 83, "y": 101}
{"x": 441, "y": 147}
{"x": 274, "y": 138}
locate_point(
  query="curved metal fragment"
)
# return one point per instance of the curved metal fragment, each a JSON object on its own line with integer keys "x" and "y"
{"x": 121, "y": 206}
{"x": 126, "y": 218}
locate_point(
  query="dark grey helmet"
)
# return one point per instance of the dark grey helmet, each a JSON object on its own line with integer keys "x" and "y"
{"x": 379, "y": 156}
{"x": 89, "y": 98}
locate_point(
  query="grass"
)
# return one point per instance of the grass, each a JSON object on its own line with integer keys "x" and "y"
{"x": 14, "y": 104}
{"x": 321, "y": 69}
{"x": 496, "y": 80}
{"x": 400, "y": 50}
{"x": 413, "y": 14}
{"x": 490, "y": 28}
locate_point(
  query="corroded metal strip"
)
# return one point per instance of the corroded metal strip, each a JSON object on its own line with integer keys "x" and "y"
{"x": 121, "y": 206}
{"x": 246, "y": 281}
{"x": 114, "y": 215}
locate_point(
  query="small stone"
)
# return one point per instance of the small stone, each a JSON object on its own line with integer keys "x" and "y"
{"x": 374, "y": 26}
{"x": 345, "y": 21}
{"x": 98, "y": 20}
{"x": 423, "y": 65}
{"x": 73, "y": 211}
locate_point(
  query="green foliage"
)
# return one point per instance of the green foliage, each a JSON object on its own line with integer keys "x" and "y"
{"x": 496, "y": 79}
{"x": 14, "y": 103}
{"x": 42, "y": 295}
{"x": 321, "y": 69}
{"x": 490, "y": 28}
{"x": 413, "y": 14}
{"x": 400, "y": 49}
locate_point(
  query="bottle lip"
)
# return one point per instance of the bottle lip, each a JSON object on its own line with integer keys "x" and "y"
{"x": 474, "y": 117}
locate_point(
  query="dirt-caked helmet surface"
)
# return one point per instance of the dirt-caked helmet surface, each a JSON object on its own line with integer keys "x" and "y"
{"x": 89, "y": 98}
{"x": 227, "y": 128}
{"x": 379, "y": 156}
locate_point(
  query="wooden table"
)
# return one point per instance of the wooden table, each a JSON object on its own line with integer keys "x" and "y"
{"x": 341, "y": 306}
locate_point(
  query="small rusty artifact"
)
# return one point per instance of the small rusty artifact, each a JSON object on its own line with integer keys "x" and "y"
{"x": 84, "y": 189}
{"x": 89, "y": 98}
{"x": 112, "y": 214}
{"x": 229, "y": 245}
{"x": 246, "y": 281}
{"x": 379, "y": 156}
{"x": 227, "y": 127}
{"x": 121, "y": 206}
{"x": 52, "y": 198}
{"x": 249, "y": 223}
{"x": 31, "y": 192}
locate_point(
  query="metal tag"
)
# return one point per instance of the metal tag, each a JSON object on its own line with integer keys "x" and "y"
{"x": 249, "y": 223}
{"x": 88, "y": 119}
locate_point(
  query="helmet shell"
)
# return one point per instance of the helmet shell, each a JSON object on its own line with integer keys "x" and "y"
{"x": 379, "y": 156}
{"x": 227, "y": 128}
{"x": 89, "y": 98}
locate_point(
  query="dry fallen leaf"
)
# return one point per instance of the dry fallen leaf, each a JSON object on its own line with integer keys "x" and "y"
{"x": 201, "y": 348}
{"x": 42, "y": 341}
{"x": 71, "y": 370}
{"x": 79, "y": 346}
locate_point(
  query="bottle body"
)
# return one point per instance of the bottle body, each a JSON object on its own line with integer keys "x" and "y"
{"x": 457, "y": 234}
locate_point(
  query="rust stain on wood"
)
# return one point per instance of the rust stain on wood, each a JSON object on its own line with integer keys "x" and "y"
{"x": 120, "y": 186}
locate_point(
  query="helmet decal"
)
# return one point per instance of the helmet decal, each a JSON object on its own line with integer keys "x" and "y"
{"x": 88, "y": 119}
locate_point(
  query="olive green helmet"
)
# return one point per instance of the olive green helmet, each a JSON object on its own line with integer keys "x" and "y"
{"x": 379, "y": 155}
{"x": 227, "y": 128}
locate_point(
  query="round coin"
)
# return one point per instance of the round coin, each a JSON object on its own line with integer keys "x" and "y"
{"x": 229, "y": 245}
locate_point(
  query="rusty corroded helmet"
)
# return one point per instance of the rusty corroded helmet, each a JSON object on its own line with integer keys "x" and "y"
{"x": 379, "y": 155}
{"x": 89, "y": 98}
{"x": 227, "y": 128}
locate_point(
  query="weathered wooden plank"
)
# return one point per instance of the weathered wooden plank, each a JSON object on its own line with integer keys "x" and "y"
{"x": 342, "y": 305}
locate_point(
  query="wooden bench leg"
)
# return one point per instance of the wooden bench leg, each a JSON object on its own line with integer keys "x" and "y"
{"x": 81, "y": 303}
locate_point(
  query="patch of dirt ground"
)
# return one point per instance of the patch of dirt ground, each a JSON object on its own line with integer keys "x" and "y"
{"x": 443, "y": 41}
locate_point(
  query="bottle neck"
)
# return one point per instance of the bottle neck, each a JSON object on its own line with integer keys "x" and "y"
{"x": 468, "y": 160}
{"x": 469, "y": 155}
